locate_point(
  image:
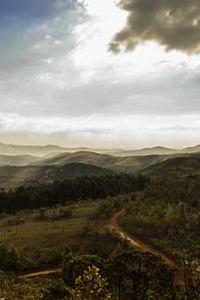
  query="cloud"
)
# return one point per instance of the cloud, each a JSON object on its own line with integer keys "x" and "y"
{"x": 101, "y": 130}
{"x": 58, "y": 78}
{"x": 43, "y": 77}
{"x": 174, "y": 24}
{"x": 133, "y": 124}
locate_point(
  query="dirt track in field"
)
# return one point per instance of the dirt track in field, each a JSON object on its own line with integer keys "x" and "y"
{"x": 115, "y": 229}
{"x": 136, "y": 243}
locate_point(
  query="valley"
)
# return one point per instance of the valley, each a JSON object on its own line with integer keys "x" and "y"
{"x": 62, "y": 213}
{"x": 26, "y": 169}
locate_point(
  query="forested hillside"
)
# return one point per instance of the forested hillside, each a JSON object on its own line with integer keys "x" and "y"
{"x": 54, "y": 217}
{"x": 60, "y": 192}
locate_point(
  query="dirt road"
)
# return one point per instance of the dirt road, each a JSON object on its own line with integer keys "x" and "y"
{"x": 137, "y": 244}
{"x": 113, "y": 227}
{"x": 43, "y": 273}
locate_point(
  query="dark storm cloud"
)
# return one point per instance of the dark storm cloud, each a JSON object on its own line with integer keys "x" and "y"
{"x": 172, "y": 23}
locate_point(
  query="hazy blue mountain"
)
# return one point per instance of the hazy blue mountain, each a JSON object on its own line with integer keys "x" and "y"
{"x": 8, "y": 149}
{"x": 191, "y": 149}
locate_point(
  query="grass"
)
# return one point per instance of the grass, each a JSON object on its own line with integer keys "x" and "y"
{"x": 42, "y": 239}
{"x": 42, "y": 236}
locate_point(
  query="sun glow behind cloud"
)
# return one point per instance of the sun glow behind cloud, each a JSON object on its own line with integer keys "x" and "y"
{"x": 93, "y": 38}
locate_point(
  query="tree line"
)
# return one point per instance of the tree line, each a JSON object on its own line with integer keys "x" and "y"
{"x": 175, "y": 189}
{"x": 49, "y": 195}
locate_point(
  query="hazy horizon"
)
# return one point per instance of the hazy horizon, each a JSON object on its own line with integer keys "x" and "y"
{"x": 68, "y": 79}
{"x": 92, "y": 147}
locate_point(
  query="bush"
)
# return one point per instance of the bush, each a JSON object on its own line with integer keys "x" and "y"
{"x": 12, "y": 221}
{"x": 10, "y": 259}
{"x": 45, "y": 214}
{"x": 55, "y": 290}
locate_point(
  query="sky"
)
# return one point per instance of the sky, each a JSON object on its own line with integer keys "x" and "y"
{"x": 99, "y": 73}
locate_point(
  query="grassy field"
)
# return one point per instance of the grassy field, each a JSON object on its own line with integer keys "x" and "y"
{"x": 42, "y": 234}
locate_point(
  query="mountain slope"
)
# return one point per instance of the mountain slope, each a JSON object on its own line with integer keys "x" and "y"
{"x": 87, "y": 157}
{"x": 17, "y": 160}
{"x": 132, "y": 164}
{"x": 157, "y": 150}
{"x": 179, "y": 166}
{"x": 147, "y": 151}
{"x": 8, "y": 149}
{"x": 194, "y": 149}
{"x": 119, "y": 164}
{"x": 11, "y": 177}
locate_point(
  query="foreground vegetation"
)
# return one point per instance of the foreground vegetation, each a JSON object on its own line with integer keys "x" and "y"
{"x": 122, "y": 275}
{"x": 174, "y": 228}
{"x": 49, "y": 226}
{"x": 49, "y": 195}
{"x": 167, "y": 214}
{"x": 37, "y": 238}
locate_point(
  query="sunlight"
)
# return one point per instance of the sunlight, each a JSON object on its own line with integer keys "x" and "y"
{"x": 107, "y": 16}
{"x": 94, "y": 36}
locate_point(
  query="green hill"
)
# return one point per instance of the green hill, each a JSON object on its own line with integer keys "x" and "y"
{"x": 81, "y": 157}
{"x": 179, "y": 166}
{"x": 17, "y": 160}
{"x": 118, "y": 164}
{"x": 14, "y": 176}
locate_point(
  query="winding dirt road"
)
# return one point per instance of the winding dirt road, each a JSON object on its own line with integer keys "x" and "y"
{"x": 137, "y": 244}
{"x": 44, "y": 273}
{"x": 115, "y": 229}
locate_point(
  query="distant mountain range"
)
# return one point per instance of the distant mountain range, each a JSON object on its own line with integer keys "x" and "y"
{"x": 158, "y": 150}
{"x": 51, "y": 163}
{"x": 8, "y": 150}
{"x": 128, "y": 164}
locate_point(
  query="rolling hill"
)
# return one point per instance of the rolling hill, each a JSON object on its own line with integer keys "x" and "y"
{"x": 194, "y": 149}
{"x": 178, "y": 166}
{"x": 70, "y": 165}
{"x": 87, "y": 157}
{"x": 8, "y": 149}
{"x": 55, "y": 163}
{"x": 115, "y": 163}
{"x": 158, "y": 150}
{"x": 17, "y": 160}
{"x": 11, "y": 177}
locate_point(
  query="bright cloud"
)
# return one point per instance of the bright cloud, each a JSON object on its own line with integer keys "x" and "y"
{"x": 59, "y": 77}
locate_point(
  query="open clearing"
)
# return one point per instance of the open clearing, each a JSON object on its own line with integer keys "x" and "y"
{"x": 41, "y": 240}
